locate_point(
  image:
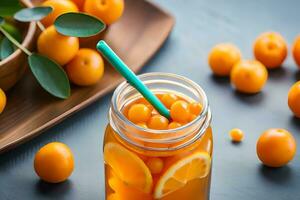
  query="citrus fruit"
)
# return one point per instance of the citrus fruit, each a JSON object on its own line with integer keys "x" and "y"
{"x": 54, "y": 162}
{"x": 2, "y": 100}
{"x": 270, "y": 49}
{"x": 86, "y": 67}
{"x": 174, "y": 125}
{"x": 59, "y": 7}
{"x": 296, "y": 51}
{"x": 222, "y": 57}
{"x": 179, "y": 111}
{"x": 128, "y": 167}
{"x": 155, "y": 165}
{"x": 158, "y": 122}
{"x": 168, "y": 99}
{"x": 276, "y": 147}
{"x": 57, "y": 47}
{"x": 195, "y": 165}
{"x": 79, "y": 3}
{"x": 139, "y": 113}
{"x": 236, "y": 135}
{"x": 195, "y": 108}
{"x": 108, "y": 11}
{"x": 294, "y": 99}
{"x": 249, "y": 76}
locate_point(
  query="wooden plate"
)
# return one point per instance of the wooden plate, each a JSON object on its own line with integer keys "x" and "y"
{"x": 136, "y": 37}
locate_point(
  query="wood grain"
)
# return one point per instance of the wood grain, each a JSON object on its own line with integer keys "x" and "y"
{"x": 136, "y": 37}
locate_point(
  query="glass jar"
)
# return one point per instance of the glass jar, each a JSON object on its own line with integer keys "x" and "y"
{"x": 142, "y": 163}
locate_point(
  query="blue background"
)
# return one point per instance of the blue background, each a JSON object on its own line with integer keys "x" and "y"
{"x": 237, "y": 173}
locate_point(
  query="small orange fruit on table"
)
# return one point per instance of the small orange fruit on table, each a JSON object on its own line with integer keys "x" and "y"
{"x": 249, "y": 76}
{"x": 59, "y": 7}
{"x": 294, "y": 99}
{"x": 222, "y": 58}
{"x": 270, "y": 49}
{"x": 2, "y": 100}
{"x": 86, "y": 67}
{"x": 296, "y": 51}
{"x": 57, "y": 47}
{"x": 276, "y": 147}
{"x": 108, "y": 11}
{"x": 54, "y": 162}
{"x": 236, "y": 135}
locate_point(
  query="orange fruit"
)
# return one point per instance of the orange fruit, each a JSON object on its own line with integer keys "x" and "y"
{"x": 249, "y": 76}
{"x": 270, "y": 49}
{"x": 139, "y": 113}
{"x": 236, "y": 135}
{"x": 143, "y": 125}
{"x": 294, "y": 99}
{"x": 193, "y": 166}
{"x": 179, "y": 111}
{"x": 222, "y": 57}
{"x": 86, "y": 67}
{"x": 108, "y": 11}
{"x": 168, "y": 99}
{"x": 195, "y": 108}
{"x": 155, "y": 165}
{"x": 79, "y": 3}
{"x": 158, "y": 122}
{"x": 174, "y": 125}
{"x": 276, "y": 147}
{"x": 57, "y": 47}
{"x": 296, "y": 51}
{"x": 128, "y": 167}
{"x": 59, "y": 7}
{"x": 122, "y": 191}
{"x": 54, "y": 162}
{"x": 2, "y": 100}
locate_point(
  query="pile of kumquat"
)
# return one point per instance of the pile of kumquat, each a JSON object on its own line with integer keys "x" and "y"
{"x": 275, "y": 147}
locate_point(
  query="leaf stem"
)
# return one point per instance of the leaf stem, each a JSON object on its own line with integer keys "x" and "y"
{"x": 40, "y": 25}
{"x": 15, "y": 42}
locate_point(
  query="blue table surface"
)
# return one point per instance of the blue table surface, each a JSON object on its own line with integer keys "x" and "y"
{"x": 237, "y": 173}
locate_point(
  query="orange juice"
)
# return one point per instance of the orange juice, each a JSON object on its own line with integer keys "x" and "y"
{"x": 169, "y": 164}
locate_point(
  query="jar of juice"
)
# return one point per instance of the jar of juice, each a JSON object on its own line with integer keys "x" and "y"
{"x": 150, "y": 164}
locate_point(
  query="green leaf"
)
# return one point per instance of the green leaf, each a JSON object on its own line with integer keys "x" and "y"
{"x": 6, "y": 48}
{"x": 50, "y": 76}
{"x": 32, "y": 14}
{"x": 13, "y": 31}
{"x": 1, "y": 20}
{"x": 78, "y": 25}
{"x": 9, "y": 7}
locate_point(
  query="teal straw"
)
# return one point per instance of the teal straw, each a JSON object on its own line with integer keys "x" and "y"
{"x": 126, "y": 72}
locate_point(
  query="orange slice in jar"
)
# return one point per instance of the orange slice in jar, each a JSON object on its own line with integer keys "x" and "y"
{"x": 128, "y": 167}
{"x": 196, "y": 165}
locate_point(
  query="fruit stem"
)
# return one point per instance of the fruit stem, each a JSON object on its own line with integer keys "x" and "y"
{"x": 40, "y": 25}
{"x": 15, "y": 42}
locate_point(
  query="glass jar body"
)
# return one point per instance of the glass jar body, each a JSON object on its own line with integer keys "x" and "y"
{"x": 146, "y": 164}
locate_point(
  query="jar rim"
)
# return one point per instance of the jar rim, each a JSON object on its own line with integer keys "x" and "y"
{"x": 203, "y": 119}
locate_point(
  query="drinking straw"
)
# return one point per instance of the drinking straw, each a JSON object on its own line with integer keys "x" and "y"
{"x": 130, "y": 76}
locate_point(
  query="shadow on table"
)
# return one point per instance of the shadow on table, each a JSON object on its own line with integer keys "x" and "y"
{"x": 295, "y": 122}
{"x": 297, "y": 76}
{"x": 50, "y": 189}
{"x": 251, "y": 99}
{"x": 221, "y": 81}
{"x": 276, "y": 175}
{"x": 278, "y": 73}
